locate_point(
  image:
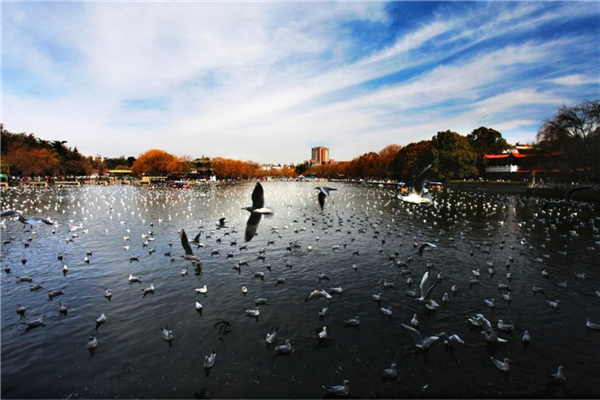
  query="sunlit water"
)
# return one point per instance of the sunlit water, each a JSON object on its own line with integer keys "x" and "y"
{"x": 133, "y": 361}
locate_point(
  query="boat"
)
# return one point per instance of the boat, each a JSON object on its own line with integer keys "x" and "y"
{"x": 181, "y": 185}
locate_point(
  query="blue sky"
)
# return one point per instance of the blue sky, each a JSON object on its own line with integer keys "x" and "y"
{"x": 267, "y": 81}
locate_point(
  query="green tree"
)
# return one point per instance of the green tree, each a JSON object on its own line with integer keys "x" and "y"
{"x": 411, "y": 160}
{"x": 452, "y": 156}
{"x": 571, "y": 140}
{"x": 486, "y": 141}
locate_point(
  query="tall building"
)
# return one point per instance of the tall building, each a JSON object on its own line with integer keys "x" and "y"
{"x": 320, "y": 155}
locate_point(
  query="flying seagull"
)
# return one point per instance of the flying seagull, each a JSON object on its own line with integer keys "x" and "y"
{"x": 417, "y": 197}
{"x": 256, "y": 210}
{"x": 323, "y": 193}
{"x": 189, "y": 254}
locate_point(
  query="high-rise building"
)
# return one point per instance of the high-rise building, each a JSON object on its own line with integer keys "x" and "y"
{"x": 320, "y": 155}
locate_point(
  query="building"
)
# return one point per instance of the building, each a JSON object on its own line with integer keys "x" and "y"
{"x": 319, "y": 155}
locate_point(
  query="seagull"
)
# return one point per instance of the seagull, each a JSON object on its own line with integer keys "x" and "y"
{"x": 107, "y": 293}
{"x": 256, "y": 210}
{"x": 31, "y": 221}
{"x": 285, "y": 348}
{"x": 386, "y": 311}
{"x": 92, "y": 343}
{"x": 198, "y": 306}
{"x": 323, "y": 333}
{"x": 422, "y": 344}
{"x": 501, "y": 365}
{"x": 526, "y": 339}
{"x": 149, "y": 289}
{"x": 414, "y": 321}
{"x": 134, "y": 279}
{"x": 567, "y": 200}
{"x": 559, "y": 376}
{"x": 592, "y": 325}
{"x": 426, "y": 291}
{"x": 315, "y": 294}
{"x": 167, "y": 334}
{"x": 323, "y": 193}
{"x": 189, "y": 254}
{"x": 391, "y": 372}
{"x": 450, "y": 340}
{"x": 417, "y": 197}
{"x": 352, "y": 321}
{"x": 210, "y": 359}
{"x": 101, "y": 319}
{"x": 271, "y": 336}
{"x": 422, "y": 248}
{"x": 35, "y": 323}
{"x": 253, "y": 313}
{"x": 340, "y": 390}
{"x": 202, "y": 290}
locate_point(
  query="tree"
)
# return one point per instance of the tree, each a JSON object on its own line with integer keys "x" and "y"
{"x": 486, "y": 141}
{"x": 571, "y": 140}
{"x": 155, "y": 162}
{"x": 411, "y": 160}
{"x": 387, "y": 156}
{"x": 452, "y": 156}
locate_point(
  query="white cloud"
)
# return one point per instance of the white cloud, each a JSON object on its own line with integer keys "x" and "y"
{"x": 266, "y": 81}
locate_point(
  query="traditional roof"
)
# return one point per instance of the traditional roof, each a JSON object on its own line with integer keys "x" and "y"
{"x": 505, "y": 155}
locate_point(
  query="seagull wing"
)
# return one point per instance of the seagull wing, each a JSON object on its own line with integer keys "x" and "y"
{"x": 186, "y": 244}
{"x": 258, "y": 196}
{"x": 571, "y": 192}
{"x": 322, "y": 196}
{"x": 7, "y": 213}
{"x": 430, "y": 292}
{"x": 44, "y": 220}
{"x": 419, "y": 182}
{"x": 252, "y": 226}
{"x": 197, "y": 238}
{"x": 425, "y": 284}
{"x": 415, "y": 334}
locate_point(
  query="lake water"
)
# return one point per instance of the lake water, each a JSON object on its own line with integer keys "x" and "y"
{"x": 133, "y": 361}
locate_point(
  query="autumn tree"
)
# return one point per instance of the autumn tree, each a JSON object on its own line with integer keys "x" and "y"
{"x": 571, "y": 140}
{"x": 486, "y": 141}
{"x": 156, "y": 162}
{"x": 387, "y": 156}
{"x": 452, "y": 156}
{"x": 28, "y": 161}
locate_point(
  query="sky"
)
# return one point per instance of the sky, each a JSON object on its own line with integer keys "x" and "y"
{"x": 267, "y": 81}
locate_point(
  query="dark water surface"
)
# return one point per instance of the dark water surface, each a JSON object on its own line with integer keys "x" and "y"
{"x": 133, "y": 361}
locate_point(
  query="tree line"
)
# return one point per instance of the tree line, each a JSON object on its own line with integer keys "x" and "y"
{"x": 569, "y": 142}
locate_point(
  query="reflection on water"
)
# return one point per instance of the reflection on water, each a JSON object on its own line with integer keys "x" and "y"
{"x": 364, "y": 237}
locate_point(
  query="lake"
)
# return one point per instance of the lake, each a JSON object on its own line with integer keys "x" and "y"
{"x": 374, "y": 231}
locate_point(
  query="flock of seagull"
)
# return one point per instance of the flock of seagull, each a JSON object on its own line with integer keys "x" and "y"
{"x": 419, "y": 205}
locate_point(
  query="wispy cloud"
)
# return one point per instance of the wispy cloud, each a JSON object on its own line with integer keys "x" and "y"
{"x": 266, "y": 81}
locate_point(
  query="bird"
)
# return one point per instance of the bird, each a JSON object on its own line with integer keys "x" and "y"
{"x": 101, "y": 319}
{"x": 352, "y": 321}
{"x": 426, "y": 290}
{"x": 450, "y": 340}
{"x": 149, "y": 289}
{"x": 31, "y": 221}
{"x": 505, "y": 327}
{"x": 256, "y": 210}
{"x": 526, "y": 338}
{"x": 592, "y": 325}
{"x": 559, "y": 377}
{"x": 35, "y": 323}
{"x": 416, "y": 196}
{"x": 92, "y": 343}
{"x": 390, "y": 372}
{"x": 271, "y": 336}
{"x": 323, "y": 193}
{"x": 134, "y": 279}
{"x": 422, "y": 344}
{"x": 501, "y": 365}
{"x": 167, "y": 334}
{"x": 253, "y": 313}
{"x": 340, "y": 390}
{"x": 414, "y": 321}
{"x": 422, "y": 248}
{"x": 284, "y": 348}
{"x": 315, "y": 294}
{"x": 202, "y": 290}
{"x": 107, "y": 293}
{"x": 198, "y": 306}
{"x": 210, "y": 359}
{"x": 567, "y": 200}
{"x": 323, "y": 333}
{"x": 387, "y": 311}
{"x": 189, "y": 254}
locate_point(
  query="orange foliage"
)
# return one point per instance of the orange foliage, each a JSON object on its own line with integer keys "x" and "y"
{"x": 27, "y": 161}
{"x": 157, "y": 162}
{"x": 226, "y": 168}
